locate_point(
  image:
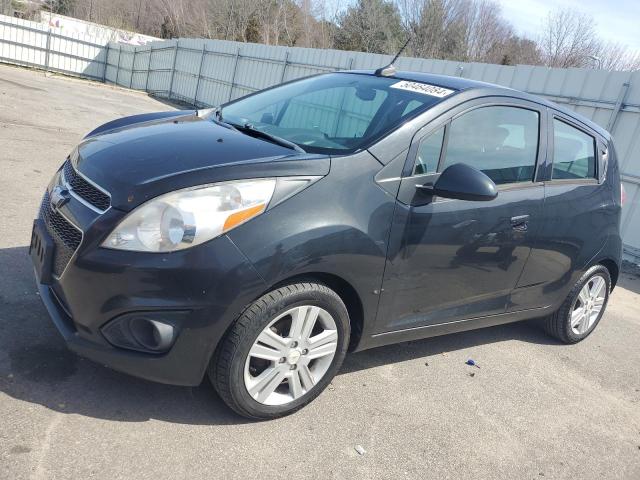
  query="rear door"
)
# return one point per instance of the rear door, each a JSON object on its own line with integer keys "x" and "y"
{"x": 578, "y": 211}
{"x": 452, "y": 259}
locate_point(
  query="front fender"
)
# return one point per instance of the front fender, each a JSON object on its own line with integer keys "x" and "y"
{"x": 337, "y": 226}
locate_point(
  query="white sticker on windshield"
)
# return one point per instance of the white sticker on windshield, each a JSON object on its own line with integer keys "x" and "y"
{"x": 425, "y": 88}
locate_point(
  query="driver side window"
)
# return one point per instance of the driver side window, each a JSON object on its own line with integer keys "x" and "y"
{"x": 500, "y": 141}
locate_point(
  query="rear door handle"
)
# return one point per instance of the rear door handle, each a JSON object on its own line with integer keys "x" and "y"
{"x": 520, "y": 223}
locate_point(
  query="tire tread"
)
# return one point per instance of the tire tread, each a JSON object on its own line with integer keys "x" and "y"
{"x": 250, "y": 319}
{"x": 555, "y": 324}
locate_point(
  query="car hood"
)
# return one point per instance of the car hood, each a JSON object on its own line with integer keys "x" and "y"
{"x": 140, "y": 161}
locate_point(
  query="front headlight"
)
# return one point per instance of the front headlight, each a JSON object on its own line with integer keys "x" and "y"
{"x": 185, "y": 218}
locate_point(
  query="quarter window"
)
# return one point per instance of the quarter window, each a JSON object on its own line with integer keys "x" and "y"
{"x": 429, "y": 153}
{"x": 500, "y": 141}
{"x": 574, "y": 154}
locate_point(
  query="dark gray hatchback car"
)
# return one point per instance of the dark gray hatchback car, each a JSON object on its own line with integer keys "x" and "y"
{"x": 260, "y": 241}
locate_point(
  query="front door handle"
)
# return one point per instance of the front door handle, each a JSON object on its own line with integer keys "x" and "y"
{"x": 520, "y": 223}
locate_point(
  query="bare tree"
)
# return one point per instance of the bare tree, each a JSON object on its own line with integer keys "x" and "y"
{"x": 613, "y": 56}
{"x": 466, "y": 30}
{"x": 518, "y": 50}
{"x": 5, "y": 7}
{"x": 487, "y": 32}
{"x": 568, "y": 39}
{"x": 463, "y": 30}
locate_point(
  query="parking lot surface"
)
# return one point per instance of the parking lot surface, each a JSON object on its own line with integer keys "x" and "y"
{"x": 535, "y": 409}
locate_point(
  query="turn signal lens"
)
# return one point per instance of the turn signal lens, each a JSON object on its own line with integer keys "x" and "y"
{"x": 238, "y": 218}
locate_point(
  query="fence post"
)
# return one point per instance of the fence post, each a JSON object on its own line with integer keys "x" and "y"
{"x": 146, "y": 82}
{"x": 118, "y": 70}
{"x": 173, "y": 69}
{"x": 233, "y": 75}
{"x": 284, "y": 66}
{"x": 106, "y": 65}
{"x": 195, "y": 95}
{"x": 616, "y": 110}
{"x": 48, "y": 51}
{"x": 133, "y": 67}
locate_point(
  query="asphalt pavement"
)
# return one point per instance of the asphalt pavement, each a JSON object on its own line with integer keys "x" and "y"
{"x": 534, "y": 409}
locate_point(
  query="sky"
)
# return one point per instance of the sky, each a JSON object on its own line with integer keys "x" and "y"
{"x": 616, "y": 20}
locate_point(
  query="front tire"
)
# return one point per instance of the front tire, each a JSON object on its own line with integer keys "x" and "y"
{"x": 583, "y": 308}
{"x": 282, "y": 351}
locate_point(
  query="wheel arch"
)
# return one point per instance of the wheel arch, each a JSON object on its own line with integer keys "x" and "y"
{"x": 613, "y": 268}
{"x": 343, "y": 288}
{"x": 345, "y": 291}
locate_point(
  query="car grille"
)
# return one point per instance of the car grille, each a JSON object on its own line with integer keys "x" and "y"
{"x": 84, "y": 189}
{"x": 65, "y": 236}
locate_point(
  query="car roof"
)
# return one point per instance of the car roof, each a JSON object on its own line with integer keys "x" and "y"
{"x": 460, "y": 84}
{"x": 455, "y": 83}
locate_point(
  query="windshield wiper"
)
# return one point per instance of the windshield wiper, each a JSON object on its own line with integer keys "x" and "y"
{"x": 254, "y": 132}
{"x": 215, "y": 114}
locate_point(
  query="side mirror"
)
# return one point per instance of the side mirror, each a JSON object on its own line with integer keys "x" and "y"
{"x": 463, "y": 182}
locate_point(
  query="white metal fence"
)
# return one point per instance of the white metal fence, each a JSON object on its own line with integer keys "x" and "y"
{"x": 37, "y": 45}
{"x": 210, "y": 72}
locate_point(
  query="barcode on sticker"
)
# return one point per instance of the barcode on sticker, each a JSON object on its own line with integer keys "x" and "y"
{"x": 424, "y": 88}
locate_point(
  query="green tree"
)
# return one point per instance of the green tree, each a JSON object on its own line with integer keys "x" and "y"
{"x": 373, "y": 26}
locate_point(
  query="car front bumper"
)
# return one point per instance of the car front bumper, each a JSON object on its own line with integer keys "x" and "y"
{"x": 210, "y": 284}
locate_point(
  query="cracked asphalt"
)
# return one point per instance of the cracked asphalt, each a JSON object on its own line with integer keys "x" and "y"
{"x": 534, "y": 409}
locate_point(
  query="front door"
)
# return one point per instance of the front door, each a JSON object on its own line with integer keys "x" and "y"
{"x": 450, "y": 260}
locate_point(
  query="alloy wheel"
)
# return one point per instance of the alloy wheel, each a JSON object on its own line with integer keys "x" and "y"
{"x": 291, "y": 355}
{"x": 588, "y": 305}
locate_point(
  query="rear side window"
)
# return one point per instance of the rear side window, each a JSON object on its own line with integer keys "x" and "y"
{"x": 500, "y": 141}
{"x": 574, "y": 152}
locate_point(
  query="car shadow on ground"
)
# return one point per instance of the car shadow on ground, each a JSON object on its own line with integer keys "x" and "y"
{"x": 36, "y": 367}
{"x": 629, "y": 277}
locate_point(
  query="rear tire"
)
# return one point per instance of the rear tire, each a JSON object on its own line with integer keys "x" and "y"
{"x": 282, "y": 352}
{"x": 583, "y": 308}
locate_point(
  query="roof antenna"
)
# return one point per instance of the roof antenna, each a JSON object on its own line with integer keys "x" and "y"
{"x": 389, "y": 70}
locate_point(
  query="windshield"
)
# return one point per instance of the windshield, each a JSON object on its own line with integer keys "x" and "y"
{"x": 336, "y": 113}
